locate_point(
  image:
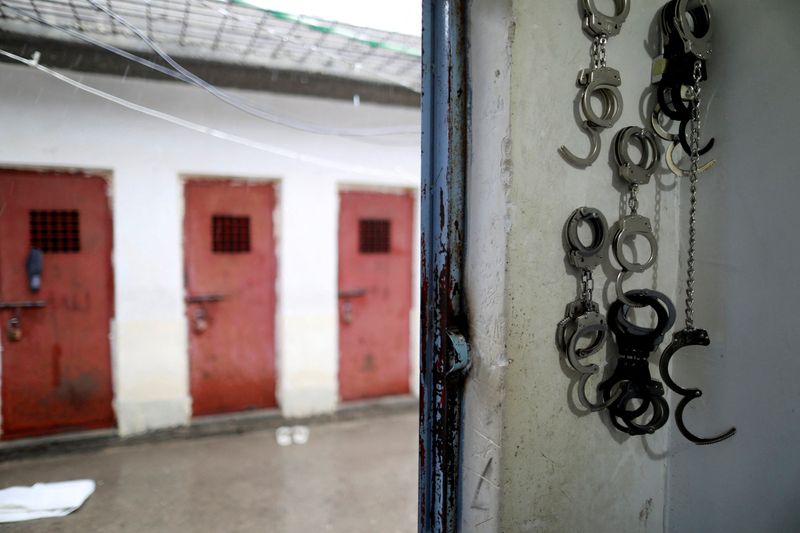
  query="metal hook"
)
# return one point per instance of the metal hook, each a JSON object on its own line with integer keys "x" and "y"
{"x": 676, "y": 169}
{"x": 594, "y": 152}
{"x": 682, "y": 339}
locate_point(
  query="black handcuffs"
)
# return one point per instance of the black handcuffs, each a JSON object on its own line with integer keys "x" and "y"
{"x": 631, "y": 376}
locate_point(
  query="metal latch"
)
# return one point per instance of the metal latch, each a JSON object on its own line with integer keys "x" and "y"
{"x": 24, "y": 304}
{"x": 14, "y": 324}
{"x": 202, "y": 298}
{"x": 200, "y": 317}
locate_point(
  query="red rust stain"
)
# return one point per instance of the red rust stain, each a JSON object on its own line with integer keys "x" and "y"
{"x": 56, "y": 367}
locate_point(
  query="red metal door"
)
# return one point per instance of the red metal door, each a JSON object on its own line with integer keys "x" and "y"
{"x": 229, "y": 253}
{"x": 57, "y": 375}
{"x": 375, "y": 244}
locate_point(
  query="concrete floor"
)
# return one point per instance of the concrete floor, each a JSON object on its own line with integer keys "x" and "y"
{"x": 355, "y": 476}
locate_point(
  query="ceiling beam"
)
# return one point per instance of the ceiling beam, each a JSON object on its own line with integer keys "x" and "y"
{"x": 81, "y": 57}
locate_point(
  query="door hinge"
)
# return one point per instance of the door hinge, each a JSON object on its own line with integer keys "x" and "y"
{"x": 459, "y": 354}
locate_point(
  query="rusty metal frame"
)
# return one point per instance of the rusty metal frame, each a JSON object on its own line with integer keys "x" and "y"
{"x": 444, "y": 350}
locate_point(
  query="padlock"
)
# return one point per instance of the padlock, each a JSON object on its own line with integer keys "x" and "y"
{"x": 199, "y": 320}
{"x": 347, "y": 312}
{"x": 14, "y": 329}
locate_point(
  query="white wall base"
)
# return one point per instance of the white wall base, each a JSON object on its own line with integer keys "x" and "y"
{"x": 308, "y": 374}
{"x": 140, "y": 417}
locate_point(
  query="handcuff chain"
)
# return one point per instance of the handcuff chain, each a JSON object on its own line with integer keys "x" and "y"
{"x": 633, "y": 202}
{"x": 587, "y": 285}
{"x": 599, "y": 51}
{"x": 694, "y": 143}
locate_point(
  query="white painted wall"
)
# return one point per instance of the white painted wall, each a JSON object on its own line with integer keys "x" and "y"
{"x": 490, "y": 170}
{"x": 547, "y": 466}
{"x": 747, "y": 285}
{"x": 50, "y": 124}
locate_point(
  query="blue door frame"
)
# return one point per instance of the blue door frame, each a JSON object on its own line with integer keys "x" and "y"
{"x": 444, "y": 356}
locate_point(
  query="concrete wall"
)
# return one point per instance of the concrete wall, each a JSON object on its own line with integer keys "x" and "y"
{"x": 747, "y": 285}
{"x": 49, "y": 124}
{"x": 533, "y": 460}
{"x": 489, "y": 172}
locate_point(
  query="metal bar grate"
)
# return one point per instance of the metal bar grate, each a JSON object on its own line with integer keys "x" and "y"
{"x": 230, "y": 234}
{"x": 231, "y": 32}
{"x": 374, "y": 236}
{"x": 55, "y": 231}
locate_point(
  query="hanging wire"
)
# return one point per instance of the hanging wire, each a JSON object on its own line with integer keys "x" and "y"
{"x": 180, "y": 73}
{"x": 200, "y": 128}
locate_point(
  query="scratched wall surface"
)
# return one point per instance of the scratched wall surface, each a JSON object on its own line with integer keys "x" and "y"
{"x": 57, "y": 126}
{"x": 747, "y": 285}
{"x": 489, "y": 171}
{"x": 562, "y": 470}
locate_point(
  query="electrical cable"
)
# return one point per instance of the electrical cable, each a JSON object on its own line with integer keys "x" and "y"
{"x": 200, "y": 128}
{"x": 180, "y": 73}
{"x": 91, "y": 40}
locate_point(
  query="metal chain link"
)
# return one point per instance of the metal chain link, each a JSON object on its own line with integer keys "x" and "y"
{"x": 587, "y": 285}
{"x": 633, "y": 202}
{"x": 599, "y": 51}
{"x": 694, "y": 144}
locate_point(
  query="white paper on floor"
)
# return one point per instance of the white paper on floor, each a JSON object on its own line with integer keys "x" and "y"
{"x": 44, "y": 500}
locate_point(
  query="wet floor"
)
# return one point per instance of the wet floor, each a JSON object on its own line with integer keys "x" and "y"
{"x": 354, "y": 476}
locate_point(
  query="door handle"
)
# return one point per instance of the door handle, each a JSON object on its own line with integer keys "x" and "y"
{"x": 14, "y": 324}
{"x": 23, "y": 304}
{"x": 347, "y": 312}
{"x": 347, "y": 306}
{"x": 203, "y": 298}
{"x": 200, "y": 317}
{"x": 352, "y": 293}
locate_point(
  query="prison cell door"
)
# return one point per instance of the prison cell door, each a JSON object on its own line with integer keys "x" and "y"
{"x": 375, "y": 246}
{"x": 56, "y": 364}
{"x": 230, "y": 269}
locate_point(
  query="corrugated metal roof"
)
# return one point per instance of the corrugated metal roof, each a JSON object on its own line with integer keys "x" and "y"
{"x": 228, "y": 31}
